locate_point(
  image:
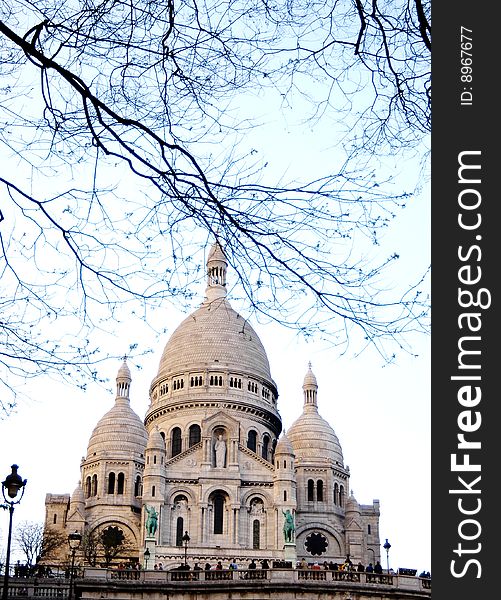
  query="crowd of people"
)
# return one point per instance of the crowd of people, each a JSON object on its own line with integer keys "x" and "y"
{"x": 347, "y": 565}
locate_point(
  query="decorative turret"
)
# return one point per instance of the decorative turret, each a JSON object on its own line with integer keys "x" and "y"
{"x": 310, "y": 388}
{"x": 217, "y": 266}
{"x": 123, "y": 380}
{"x": 284, "y": 479}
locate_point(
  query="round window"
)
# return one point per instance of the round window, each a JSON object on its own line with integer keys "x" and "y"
{"x": 316, "y": 544}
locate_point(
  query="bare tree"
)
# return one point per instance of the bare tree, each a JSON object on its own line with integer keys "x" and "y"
{"x": 37, "y": 542}
{"x": 125, "y": 152}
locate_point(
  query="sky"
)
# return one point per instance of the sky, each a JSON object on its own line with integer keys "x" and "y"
{"x": 379, "y": 411}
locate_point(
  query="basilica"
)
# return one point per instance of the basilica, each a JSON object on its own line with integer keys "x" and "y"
{"x": 210, "y": 462}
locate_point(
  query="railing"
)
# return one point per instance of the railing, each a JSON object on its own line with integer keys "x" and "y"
{"x": 36, "y": 587}
{"x": 271, "y": 575}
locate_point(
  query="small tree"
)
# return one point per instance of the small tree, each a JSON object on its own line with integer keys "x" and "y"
{"x": 36, "y": 541}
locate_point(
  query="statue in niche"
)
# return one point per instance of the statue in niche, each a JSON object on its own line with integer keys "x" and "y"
{"x": 288, "y": 525}
{"x": 220, "y": 448}
{"x": 152, "y": 520}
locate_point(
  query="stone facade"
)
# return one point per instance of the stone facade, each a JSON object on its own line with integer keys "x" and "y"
{"x": 211, "y": 459}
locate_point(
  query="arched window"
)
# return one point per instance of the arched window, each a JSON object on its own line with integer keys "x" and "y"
{"x": 176, "y": 441}
{"x": 195, "y": 435}
{"x": 311, "y": 486}
{"x": 336, "y": 494}
{"x": 252, "y": 440}
{"x": 153, "y": 490}
{"x": 111, "y": 483}
{"x": 320, "y": 491}
{"x": 137, "y": 487}
{"x": 94, "y": 486}
{"x": 120, "y": 483}
{"x": 341, "y": 496}
{"x": 256, "y": 526}
{"x": 218, "y": 512}
{"x": 266, "y": 444}
{"x": 55, "y": 520}
{"x": 369, "y": 528}
{"x": 87, "y": 487}
{"x": 179, "y": 531}
{"x": 285, "y": 495}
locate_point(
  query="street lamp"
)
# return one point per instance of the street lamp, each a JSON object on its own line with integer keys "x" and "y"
{"x": 186, "y": 539}
{"x": 74, "y": 541}
{"x": 146, "y": 555}
{"x": 387, "y": 547}
{"x": 12, "y": 485}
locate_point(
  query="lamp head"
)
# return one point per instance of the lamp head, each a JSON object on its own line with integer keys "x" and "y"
{"x": 74, "y": 540}
{"x": 13, "y": 483}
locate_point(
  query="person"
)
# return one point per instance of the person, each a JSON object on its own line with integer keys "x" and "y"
{"x": 219, "y": 566}
{"x": 197, "y": 567}
{"x": 360, "y": 567}
{"x": 220, "y": 448}
{"x": 333, "y": 566}
{"x": 160, "y": 567}
{"x": 207, "y": 567}
{"x": 369, "y": 568}
{"x": 316, "y": 566}
{"x": 152, "y": 520}
{"x": 378, "y": 568}
{"x": 303, "y": 564}
{"x": 265, "y": 564}
{"x": 252, "y": 564}
{"x": 233, "y": 565}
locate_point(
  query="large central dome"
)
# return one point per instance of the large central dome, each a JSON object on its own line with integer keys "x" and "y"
{"x": 215, "y": 336}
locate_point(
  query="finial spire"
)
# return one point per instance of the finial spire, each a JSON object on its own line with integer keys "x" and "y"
{"x": 310, "y": 388}
{"x": 217, "y": 266}
{"x": 123, "y": 380}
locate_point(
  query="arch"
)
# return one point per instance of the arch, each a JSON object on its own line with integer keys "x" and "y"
{"x": 179, "y": 531}
{"x": 218, "y": 501}
{"x": 195, "y": 435}
{"x": 111, "y": 483}
{"x": 252, "y": 440}
{"x": 336, "y": 494}
{"x": 320, "y": 490}
{"x": 94, "y": 486}
{"x": 120, "y": 483}
{"x": 265, "y": 447}
{"x": 256, "y": 532}
{"x": 311, "y": 488}
{"x": 87, "y": 487}
{"x": 341, "y": 496}
{"x": 176, "y": 442}
{"x": 138, "y": 488}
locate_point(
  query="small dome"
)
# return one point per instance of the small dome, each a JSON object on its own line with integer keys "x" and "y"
{"x": 352, "y": 504}
{"x": 78, "y": 497}
{"x": 155, "y": 440}
{"x": 120, "y": 433}
{"x": 124, "y": 371}
{"x": 309, "y": 379}
{"x": 284, "y": 445}
{"x": 311, "y": 436}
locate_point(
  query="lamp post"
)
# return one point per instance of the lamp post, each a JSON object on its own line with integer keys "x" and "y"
{"x": 12, "y": 485}
{"x": 186, "y": 539}
{"x": 146, "y": 556}
{"x": 74, "y": 541}
{"x": 387, "y": 547}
